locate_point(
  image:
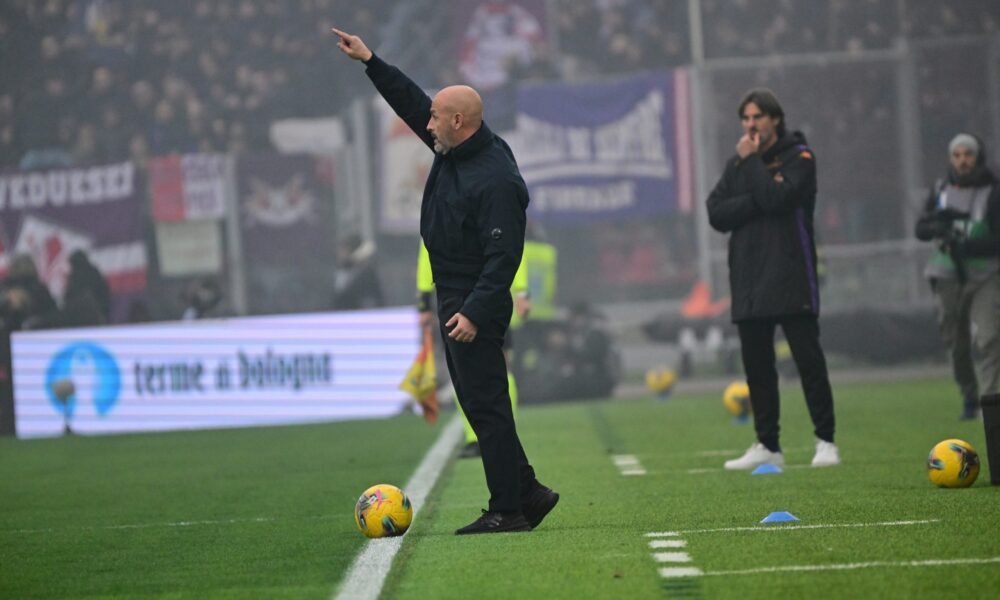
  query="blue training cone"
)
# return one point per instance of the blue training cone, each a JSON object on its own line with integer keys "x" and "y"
{"x": 779, "y": 517}
{"x": 767, "y": 469}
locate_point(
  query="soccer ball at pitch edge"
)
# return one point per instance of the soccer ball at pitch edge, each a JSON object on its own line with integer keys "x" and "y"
{"x": 661, "y": 381}
{"x": 953, "y": 463}
{"x": 383, "y": 511}
{"x": 736, "y": 399}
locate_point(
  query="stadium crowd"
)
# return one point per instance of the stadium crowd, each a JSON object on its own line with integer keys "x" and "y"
{"x": 94, "y": 80}
{"x": 104, "y": 80}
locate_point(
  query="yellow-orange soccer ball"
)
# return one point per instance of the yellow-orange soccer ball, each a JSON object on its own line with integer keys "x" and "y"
{"x": 383, "y": 511}
{"x": 736, "y": 399}
{"x": 661, "y": 381}
{"x": 953, "y": 464}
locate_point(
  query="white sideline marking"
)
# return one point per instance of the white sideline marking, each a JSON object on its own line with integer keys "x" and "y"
{"x": 864, "y": 565}
{"x": 791, "y": 527}
{"x": 668, "y": 544}
{"x": 148, "y": 525}
{"x": 671, "y": 557}
{"x": 365, "y": 578}
{"x": 628, "y": 464}
{"x": 669, "y": 572}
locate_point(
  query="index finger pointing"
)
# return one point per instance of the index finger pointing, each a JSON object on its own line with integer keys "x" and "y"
{"x": 339, "y": 32}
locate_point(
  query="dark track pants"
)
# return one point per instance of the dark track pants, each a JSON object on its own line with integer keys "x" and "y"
{"x": 757, "y": 347}
{"x": 479, "y": 373}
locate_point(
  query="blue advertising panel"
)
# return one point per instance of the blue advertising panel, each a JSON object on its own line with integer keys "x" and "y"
{"x": 611, "y": 149}
{"x": 215, "y": 373}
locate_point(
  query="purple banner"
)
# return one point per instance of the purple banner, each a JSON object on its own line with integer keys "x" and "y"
{"x": 50, "y": 214}
{"x": 284, "y": 210}
{"x": 286, "y": 223}
{"x": 596, "y": 151}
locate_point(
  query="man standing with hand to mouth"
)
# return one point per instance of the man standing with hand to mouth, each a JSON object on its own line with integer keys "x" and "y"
{"x": 472, "y": 220}
{"x": 765, "y": 200}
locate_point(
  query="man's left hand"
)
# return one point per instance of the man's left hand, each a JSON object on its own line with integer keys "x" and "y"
{"x": 463, "y": 330}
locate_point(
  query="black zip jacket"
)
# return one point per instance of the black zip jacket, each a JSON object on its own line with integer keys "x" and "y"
{"x": 766, "y": 203}
{"x": 472, "y": 215}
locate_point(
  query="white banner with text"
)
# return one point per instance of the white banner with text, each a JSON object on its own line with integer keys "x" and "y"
{"x": 238, "y": 372}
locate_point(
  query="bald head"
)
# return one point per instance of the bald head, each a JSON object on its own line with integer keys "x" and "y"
{"x": 456, "y": 114}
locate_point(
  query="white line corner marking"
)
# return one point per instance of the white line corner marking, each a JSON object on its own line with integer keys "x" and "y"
{"x": 365, "y": 578}
{"x": 656, "y": 544}
{"x": 628, "y": 464}
{"x": 671, "y": 557}
{"x": 671, "y": 572}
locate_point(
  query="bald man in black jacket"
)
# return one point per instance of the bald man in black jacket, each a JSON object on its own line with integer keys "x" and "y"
{"x": 472, "y": 220}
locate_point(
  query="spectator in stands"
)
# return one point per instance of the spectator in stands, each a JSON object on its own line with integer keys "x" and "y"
{"x": 25, "y": 301}
{"x": 962, "y": 218}
{"x": 356, "y": 284}
{"x": 765, "y": 201}
{"x": 87, "y": 300}
{"x": 201, "y": 297}
{"x": 9, "y": 153}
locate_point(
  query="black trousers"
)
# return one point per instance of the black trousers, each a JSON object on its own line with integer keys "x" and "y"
{"x": 479, "y": 373}
{"x": 757, "y": 347}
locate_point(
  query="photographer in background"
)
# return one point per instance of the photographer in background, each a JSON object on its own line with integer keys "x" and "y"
{"x": 962, "y": 218}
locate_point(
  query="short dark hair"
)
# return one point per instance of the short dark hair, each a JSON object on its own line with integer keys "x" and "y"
{"x": 768, "y": 104}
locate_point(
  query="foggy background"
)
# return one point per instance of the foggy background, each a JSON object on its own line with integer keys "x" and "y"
{"x": 301, "y": 145}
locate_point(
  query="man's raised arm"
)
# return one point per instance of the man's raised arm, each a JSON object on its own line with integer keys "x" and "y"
{"x": 406, "y": 98}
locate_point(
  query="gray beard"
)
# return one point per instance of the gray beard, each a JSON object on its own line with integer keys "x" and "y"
{"x": 440, "y": 148}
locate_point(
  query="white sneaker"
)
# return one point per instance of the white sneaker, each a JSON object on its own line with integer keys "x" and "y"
{"x": 827, "y": 454}
{"x": 756, "y": 456}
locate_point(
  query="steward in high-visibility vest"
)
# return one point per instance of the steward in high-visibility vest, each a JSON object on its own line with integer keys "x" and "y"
{"x": 538, "y": 265}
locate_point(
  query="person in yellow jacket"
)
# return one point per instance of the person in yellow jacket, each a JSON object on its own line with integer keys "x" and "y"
{"x": 522, "y": 306}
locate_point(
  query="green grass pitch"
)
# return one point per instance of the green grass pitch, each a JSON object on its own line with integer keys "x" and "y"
{"x": 267, "y": 513}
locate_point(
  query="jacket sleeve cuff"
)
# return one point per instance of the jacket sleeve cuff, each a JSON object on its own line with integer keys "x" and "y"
{"x": 473, "y": 313}
{"x": 374, "y": 64}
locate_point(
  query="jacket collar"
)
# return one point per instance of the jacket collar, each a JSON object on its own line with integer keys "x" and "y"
{"x": 783, "y": 144}
{"x": 473, "y": 145}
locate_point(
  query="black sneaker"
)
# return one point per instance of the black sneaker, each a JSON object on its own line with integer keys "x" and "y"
{"x": 496, "y": 522}
{"x": 540, "y": 501}
{"x": 470, "y": 450}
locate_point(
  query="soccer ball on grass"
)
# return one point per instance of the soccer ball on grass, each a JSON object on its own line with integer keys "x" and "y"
{"x": 953, "y": 463}
{"x": 736, "y": 399}
{"x": 661, "y": 381}
{"x": 383, "y": 511}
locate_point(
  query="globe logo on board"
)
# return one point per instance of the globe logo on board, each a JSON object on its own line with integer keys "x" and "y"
{"x": 83, "y": 372}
